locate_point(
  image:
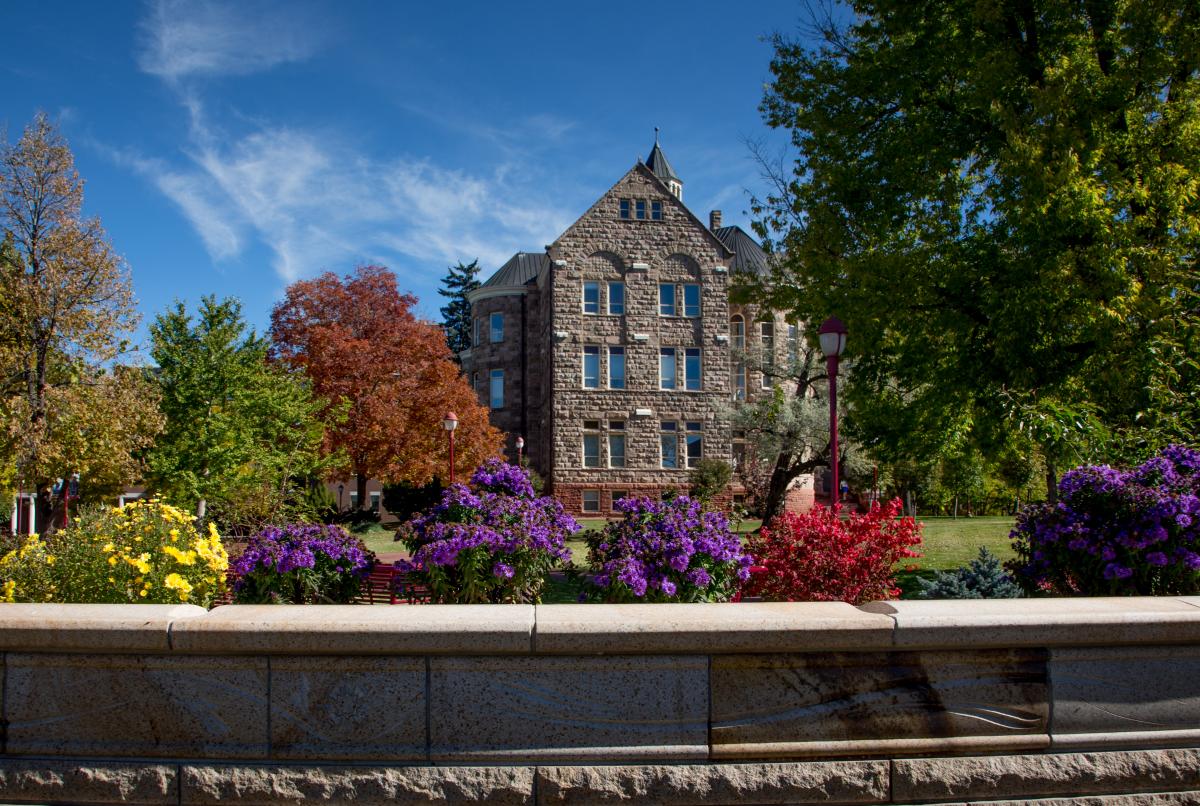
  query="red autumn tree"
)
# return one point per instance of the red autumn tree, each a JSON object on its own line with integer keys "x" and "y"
{"x": 387, "y": 378}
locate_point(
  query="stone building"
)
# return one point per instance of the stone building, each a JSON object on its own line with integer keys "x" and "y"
{"x": 616, "y": 353}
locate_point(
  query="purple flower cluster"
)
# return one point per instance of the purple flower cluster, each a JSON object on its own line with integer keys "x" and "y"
{"x": 491, "y": 542}
{"x": 1116, "y": 532}
{"x": 666, "y": 551}
{"x": 496, "y": 476}
{"x": 299, "y": 563}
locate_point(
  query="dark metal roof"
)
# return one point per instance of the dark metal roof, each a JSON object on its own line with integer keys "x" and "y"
{"x": 748, "y": 256}
{"x": 657, "y": 162}
{"x": 523, "y": 267}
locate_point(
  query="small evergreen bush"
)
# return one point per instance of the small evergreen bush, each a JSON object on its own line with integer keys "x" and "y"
{"x": 982, "y": 578}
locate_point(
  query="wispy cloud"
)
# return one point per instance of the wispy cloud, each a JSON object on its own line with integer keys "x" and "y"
{"x": 312, "y": 196}
{"x": 180, "y": 38}
{"x": 318, "y": 203}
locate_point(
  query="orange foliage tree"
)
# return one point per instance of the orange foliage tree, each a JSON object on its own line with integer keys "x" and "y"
{"x": 387, "y": 379}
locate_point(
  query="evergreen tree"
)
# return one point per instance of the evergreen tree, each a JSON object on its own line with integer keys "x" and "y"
{"x": 456, "y": 315}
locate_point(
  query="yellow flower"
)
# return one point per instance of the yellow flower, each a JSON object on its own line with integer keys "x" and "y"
{"x": 109, "y": 547}
{"x": 178, "y": 584}
{"x": 49, "y": 559}
{"x": 112, "y": 560}
{"x": 10, "y": 591}
{"x": 142, "y": 594}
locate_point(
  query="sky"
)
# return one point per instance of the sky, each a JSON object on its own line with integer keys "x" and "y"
{"x": 231, "y": 148}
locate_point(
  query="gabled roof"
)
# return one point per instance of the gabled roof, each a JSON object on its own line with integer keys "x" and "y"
{"x": 521, "y": 268}
{"x": 657, "y": 162}
{"x": 667, "y": 196}
{"x": 749, "y": 257}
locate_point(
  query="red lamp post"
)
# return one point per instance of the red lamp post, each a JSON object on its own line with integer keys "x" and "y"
{"x": 832, "y": 335}
{"x": 450, "y": 423}
{"x": 520, "y": 448}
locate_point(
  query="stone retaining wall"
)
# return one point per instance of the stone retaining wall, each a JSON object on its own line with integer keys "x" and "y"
{"x": 1081, "y": 701}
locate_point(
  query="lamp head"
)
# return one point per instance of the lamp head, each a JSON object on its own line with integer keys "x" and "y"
{"x": 832, "y": 335}
{"x": 450, "y": 422}
{"x": 520, "y": 443}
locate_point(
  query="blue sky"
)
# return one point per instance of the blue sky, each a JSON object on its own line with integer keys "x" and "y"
{"x": 231, "y": 148}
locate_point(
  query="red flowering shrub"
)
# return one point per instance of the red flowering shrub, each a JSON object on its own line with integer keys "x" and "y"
{"x": 818, "y": 557}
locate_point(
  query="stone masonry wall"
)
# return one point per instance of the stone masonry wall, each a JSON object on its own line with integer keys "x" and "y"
{"x": 1061, "y": 702}
{"x": 641, "y": 253}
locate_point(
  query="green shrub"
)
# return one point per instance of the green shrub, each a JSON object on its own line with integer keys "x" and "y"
{"x": 708, "y": 479}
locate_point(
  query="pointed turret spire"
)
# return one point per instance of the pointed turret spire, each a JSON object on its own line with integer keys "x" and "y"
{"x": 657, "y": 162}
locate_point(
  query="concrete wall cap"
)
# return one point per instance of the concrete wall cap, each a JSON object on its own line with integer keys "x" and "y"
{"x": 1082, "y": 621}
{"x": 359, "y": 630}
{"x": 709, "y": 628}
{"x": 89, "y": 627}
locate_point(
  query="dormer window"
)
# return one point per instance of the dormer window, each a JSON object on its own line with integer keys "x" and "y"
{"x": 640, "y": 207}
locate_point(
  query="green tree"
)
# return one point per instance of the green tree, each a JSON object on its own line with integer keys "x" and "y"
{"x": 1002, "y": 201}
{"x": 787, "y": 430}
{"x": 241, "y": 435}
{"x": 456, "y": 315}
{"x": 66, "y": 304}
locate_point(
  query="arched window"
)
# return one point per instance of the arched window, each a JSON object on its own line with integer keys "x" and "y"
{"x": 737, "y": 331}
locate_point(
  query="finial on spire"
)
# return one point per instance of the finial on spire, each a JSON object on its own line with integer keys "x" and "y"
{"x": 655, "y": 135}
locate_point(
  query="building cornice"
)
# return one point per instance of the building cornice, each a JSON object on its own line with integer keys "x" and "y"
{"x": 488, "y": 292}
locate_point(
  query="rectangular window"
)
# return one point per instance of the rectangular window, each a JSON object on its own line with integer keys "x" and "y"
{"x": 691, "y": 369}
{"x": 616, "y": 298}
{"x": 691, "y": 300}
{"x": 739, "y": 381}
{"x": 669, "y": 445}
{"x": 591, "y": 297}
{"x": 475, "y": 332}
{"x": 354, "y": 500}
{"x": 618, "y": 495}
{"x": 497, "y": 328}
{"x": 737, "y": 330}
{"x": 497, "y": 389}
{"x": 666, "y": 368}
{"x": 624, "y": 208}
{"x": 374, "y": 502}
{"x": 666, "y": 299}
{"x": 591, "y": 450}
{"x": 591, "y": 500}
{"x": 640, "y": 206}
{"x": 616, "y": 449}
{"x": 656, "y": 211}
{"x": 591, "y": 367}
{"x": 616, "y": 367}
{"x": 695, "y": 444}
{"x": 793, "y": 344}
{"x": 766, "y": 331}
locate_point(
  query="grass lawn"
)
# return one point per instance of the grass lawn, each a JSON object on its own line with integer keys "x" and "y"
{"x": 953, "y": 542}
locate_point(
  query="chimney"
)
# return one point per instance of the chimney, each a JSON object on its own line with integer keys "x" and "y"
{"x": 714, "y": 220}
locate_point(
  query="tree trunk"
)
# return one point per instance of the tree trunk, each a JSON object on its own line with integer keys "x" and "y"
{"x": 1051, "y": 482}
{"x": 360, "y": 482}
{"x": 956, "y": 507}
{"x": 781, "y": 478}
{"x": 43, "y": 509}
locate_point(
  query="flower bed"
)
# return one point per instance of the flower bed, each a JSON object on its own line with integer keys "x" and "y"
{"x": 665, "y": 551}
{"x": 301, "y": 563}
{"x": 144, "y": 551}
{"x": 494, "y": 541}
{"x": 1116, "y": 532}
